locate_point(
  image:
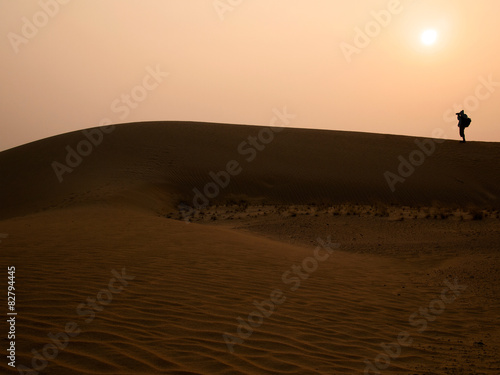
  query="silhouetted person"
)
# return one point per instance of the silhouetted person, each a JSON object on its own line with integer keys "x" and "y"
{"x": 463, "y": 122}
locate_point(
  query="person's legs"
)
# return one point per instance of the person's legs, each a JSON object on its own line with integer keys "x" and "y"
{"x": 462, "y": 134}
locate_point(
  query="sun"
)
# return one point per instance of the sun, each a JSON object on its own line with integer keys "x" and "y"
{"x": 429, "y": 37}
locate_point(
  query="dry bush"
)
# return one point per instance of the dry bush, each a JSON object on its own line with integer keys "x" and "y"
{"x": 381, "y": 210}
{"x": 477, "y": 214}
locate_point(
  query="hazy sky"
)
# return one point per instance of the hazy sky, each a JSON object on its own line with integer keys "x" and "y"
{"x": 337, "y": 64}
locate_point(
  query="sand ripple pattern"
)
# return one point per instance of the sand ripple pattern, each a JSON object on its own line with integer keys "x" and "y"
{"x": 193, "y": 282}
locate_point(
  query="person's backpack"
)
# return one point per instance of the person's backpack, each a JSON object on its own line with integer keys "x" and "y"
{"x": 467, "y": 120}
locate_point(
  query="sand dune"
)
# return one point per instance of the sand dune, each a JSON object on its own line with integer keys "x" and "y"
{"x": 168, "y": 160}
{"x": 255, "y": 285}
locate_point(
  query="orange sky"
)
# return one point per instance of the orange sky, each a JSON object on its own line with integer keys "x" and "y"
{"x": 68, "y": 65}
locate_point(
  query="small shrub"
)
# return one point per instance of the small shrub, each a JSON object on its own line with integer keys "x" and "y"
{"x": 477, "y": 215}
{"x": 382, "y": 210}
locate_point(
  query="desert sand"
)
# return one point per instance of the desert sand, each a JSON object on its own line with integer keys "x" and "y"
{"x": 304, "y": 261}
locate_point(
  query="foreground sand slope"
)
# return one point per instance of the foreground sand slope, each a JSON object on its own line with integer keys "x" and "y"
{"x": 191, "y": 283}
{"x": 167, "y": 161}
